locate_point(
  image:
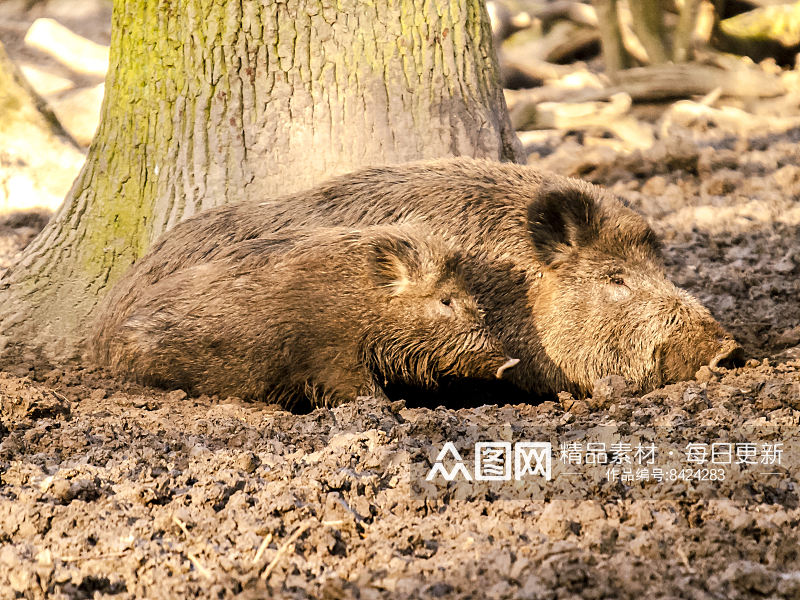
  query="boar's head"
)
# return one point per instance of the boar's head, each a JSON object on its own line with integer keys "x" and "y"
{"x": 603, "y": 305}
{"x": 426, "y": 324}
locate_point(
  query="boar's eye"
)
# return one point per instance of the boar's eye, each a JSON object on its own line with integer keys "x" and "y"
{"x": 446, "y": 307}
{"x": 617, "y": 280}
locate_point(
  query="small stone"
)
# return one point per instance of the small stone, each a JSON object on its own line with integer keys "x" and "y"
{"x": 580, "y": 408}
{"x": 742, "y": 521}
{"x": 577, "y": 407}
{"x": 53, "y": 376}
{"x": 44, "y": 557}
{"x": 786, "y": 264}
{"x": 554, "y": 523}
{"x": 46, "y": 483}
{"x": 694, "y": 400}
{"x": 534, "y": 587}
{"x": 589, "y": 511}
{"x": 176, "y": 395}
{"x": 144, "y": 402}
{"x": 84, "y": 489}
{"x": 247, "y": 462}
{"x": 655, "y": 186}
{"x": 566, "y": 400}
{"x": 705, "y": 374}
{"x": 750, "y": 577}
{"x": 789, "y": 587}
{"x": 98, "y": 394}
{"x": 621, "y": 411}
{"x": 60, "y": 489}
{"x": 27, "y": 529}
{"x": 719, "y": 185}
{"x": 20, "y": 579}
{"x": 609, "y": 390}
{"x": 789, "y": 337}
{"x": 769, "y": 398}
{"x": 548, "y": 407}
{"x": 8, "y": 557}
{"x": 606, "y": 539}
{"x": 640, "y": 515}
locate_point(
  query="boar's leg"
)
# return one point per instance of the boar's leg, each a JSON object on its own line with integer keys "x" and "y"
{"x": 335, "y": 384}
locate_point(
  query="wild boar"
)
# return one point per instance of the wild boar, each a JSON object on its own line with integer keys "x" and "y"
{"x": 571, "y": 278}
{"x": 322, "y": 314}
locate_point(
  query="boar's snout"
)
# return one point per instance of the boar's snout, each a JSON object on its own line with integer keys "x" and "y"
{"x": 682, "y": 360}
{"x": 695, "y": 339}
{"x": 730, "y": 355}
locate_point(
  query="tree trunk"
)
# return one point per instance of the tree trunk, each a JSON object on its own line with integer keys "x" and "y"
{"x": 648, "y": 23}
{"x": 615, "y": 56}
{"x": 682, "y": 50}
{"x": 215, "y": 102}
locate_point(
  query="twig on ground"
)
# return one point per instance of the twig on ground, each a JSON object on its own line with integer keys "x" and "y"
{"x": 199, "y": 566}
{"x": 266, "y": 542}
{"x": 284, "y": 548}
{"x": 182, "y": 525}
{"x": 195, "y": 561}
{"x": 95, "y": 557}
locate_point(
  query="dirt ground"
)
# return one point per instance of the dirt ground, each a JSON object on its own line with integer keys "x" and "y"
{"x": 109, "y": 489}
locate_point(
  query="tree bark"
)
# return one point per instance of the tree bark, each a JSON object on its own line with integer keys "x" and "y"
{"x": 215, "y": 102}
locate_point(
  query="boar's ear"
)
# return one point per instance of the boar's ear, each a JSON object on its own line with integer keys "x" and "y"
{"x": 561, "y": 217}
{"x": 393, "y": 262}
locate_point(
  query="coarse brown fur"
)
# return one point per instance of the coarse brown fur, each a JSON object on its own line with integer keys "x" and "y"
{"x": 570, "y": 277}
{"x": 328, "y": 314}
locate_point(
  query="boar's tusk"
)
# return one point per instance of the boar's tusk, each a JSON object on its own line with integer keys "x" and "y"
{"x": 506, "y": 365}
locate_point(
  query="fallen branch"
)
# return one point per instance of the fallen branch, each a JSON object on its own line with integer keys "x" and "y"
{"x": 518, "y": 59}
{"x": 75, "y": 52}
{"x": 609, "y": 116}
{"x": 667, "y": 82}
{"x": 577, "y": 12}
{"x": 687, "y": 113}
{"x": 569, "y": 115}
{"x": 661, "y": 82}
{"x": 564, "y": 40}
